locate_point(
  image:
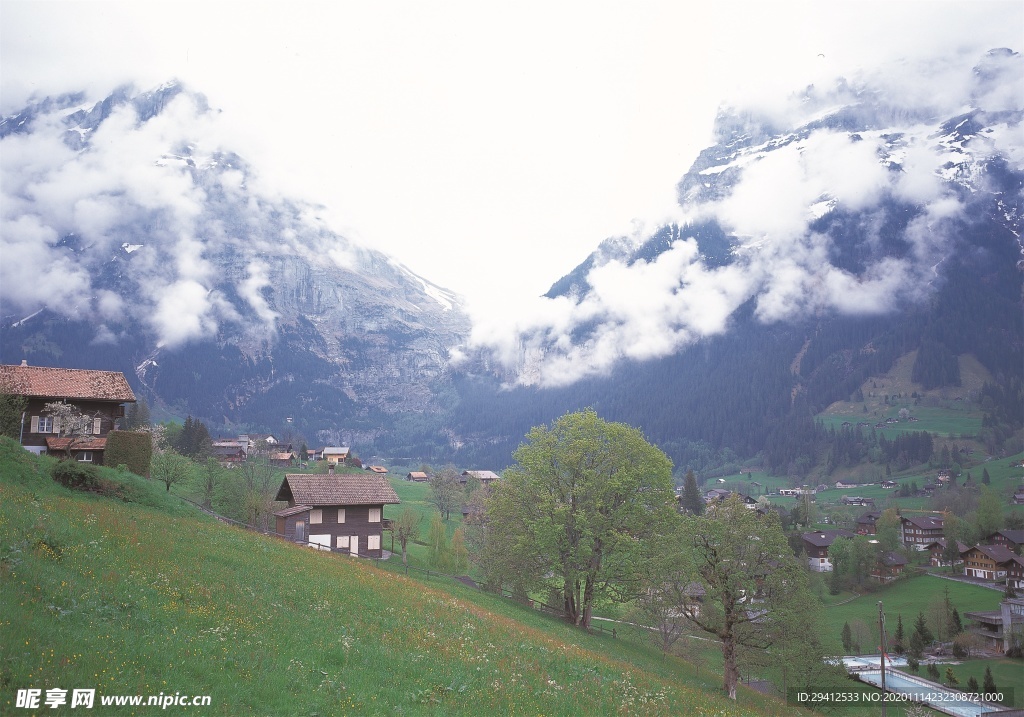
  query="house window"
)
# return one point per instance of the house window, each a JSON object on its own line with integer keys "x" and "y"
{"x": 373, "y": 542}
{"x": 316, "y": 516}
{"x": 343, "y": 541}
{"x": 341, "y": 516}
{"x": 85, "y": 457}
{"x": 45, "y": 424}
{"x": 374, "y": 515}
{"x": 97, "y": 426}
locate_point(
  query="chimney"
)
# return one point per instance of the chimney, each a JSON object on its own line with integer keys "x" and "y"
{"x": 24, "y": 362}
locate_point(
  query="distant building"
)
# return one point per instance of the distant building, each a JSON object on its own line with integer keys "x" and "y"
{"x": 920, "y": 530}
{"x": 816, "y": 545}
{"x": 986, "y": 562}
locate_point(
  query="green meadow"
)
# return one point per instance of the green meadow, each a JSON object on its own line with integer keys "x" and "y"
{"x": 143, "y": 595}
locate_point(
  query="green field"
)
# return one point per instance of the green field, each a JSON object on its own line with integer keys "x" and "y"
{"x": 149, "y": 596}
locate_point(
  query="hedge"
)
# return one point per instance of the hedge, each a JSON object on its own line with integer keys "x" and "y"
{"x": 130, "y": 449}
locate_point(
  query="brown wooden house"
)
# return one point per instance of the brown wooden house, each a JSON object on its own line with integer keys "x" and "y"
{"x": 1015, "y": 572}
{"x": 98, "y": 395}
{"x": 888, "y": 566}
{"x": 937, "y": 549}
{"x": 986, "y": 561}
{"x": 866, "y": 523}
{"x": 342, "y": 513}
{"x": 1012, "y": 539}
{"x": 816, "y": 545}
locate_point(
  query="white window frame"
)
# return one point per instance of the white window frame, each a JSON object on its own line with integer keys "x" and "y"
{"x": 373, "y": 542}
{"x": 343, "y": 541}
{"x": 84, "y": 457}
{"x": 316, "y": 516}
{"x": 43, "y": 424}
{"x": 374, "y": 515}
{"x": 341, "y": 516}
{"x": 97, "y": 426}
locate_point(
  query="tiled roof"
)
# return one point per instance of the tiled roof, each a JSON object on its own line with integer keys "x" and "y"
{"x": 73, "y": 383}
{"x": 54, "y": 443}
{"x": 1014, "y": 536}
{"x": 482, "y": 476}
{"x": 891, "y": 558}
{"x": 340, "y": 489}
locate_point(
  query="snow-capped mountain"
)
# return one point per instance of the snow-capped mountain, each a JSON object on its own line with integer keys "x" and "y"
{"x": 844, "y": 201}
{"x": 136, "y": 238}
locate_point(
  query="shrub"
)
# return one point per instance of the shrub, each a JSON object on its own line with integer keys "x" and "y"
{"x": 74, "y": 475}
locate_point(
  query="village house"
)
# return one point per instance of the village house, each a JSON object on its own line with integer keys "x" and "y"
{"x": 1018, "y": 496}
{"x": 335, "y": 454}
{"x": 418, "y": 476}
{"x": 919, "y": 530}
{"x": 816, "y": 545}
{"x": 98, "y": 395}
{"x": 866, "y": 523}
{"x": 937, "y": 553}
{"x": 986, "y": 562}
{"x": 716, "y": 495}
{"x": 338, "y": 512}
{"x": 1012, "y": 539}
{"x": 857, "y": 500}
{"x": 228, "y": 453}
{"x": 283, "y": 459}
{"x": 888, "y": 566}
{"x": 379, "y": 470}
{"x": 1015, "y": 572}
{"x": 485, "y": 477}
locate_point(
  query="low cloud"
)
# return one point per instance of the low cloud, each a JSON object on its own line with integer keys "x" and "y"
{"x": 783, "y": 258}
{"x": 131, "y": 195}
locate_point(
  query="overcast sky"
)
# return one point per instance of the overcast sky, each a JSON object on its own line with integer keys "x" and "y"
{"x": 490, "y": 147}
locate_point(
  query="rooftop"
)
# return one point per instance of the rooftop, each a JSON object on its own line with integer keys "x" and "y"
{"x": 72, "y": 383}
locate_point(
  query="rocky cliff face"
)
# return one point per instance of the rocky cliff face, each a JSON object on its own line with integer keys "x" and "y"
{"x": 158, "y": 251}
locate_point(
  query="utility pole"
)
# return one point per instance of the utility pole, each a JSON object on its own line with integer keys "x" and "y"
{"x": 881, "y": 633}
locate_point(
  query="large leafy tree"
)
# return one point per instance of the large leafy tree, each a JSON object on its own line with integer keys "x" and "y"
{"x": 586, "y": 504}
{"x": 756, "y": 589}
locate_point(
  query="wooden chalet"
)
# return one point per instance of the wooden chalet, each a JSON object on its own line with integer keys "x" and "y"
{"x": 866, "y": 523}
{"x": 986, "y": 562}
{"x": 1012, "y": 539}
{"x": 816, "y": 545}
{"x": 937, "y": 552}
{"x": 98, "y": 395}
{"x": 379, "y": 470}
{"x": 919, "y": 530}
{"x": 888, "y": 566}
{"x": 1015, "y": 572}
{"x": 338, "y": 512}
{"x": 418, "y": 476}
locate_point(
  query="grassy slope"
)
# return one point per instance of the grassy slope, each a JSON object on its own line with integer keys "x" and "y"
{"x": 148, "y": 596}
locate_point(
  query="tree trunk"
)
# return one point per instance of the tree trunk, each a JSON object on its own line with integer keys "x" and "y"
{"x": 405, "y": 556}
{"x": 730, "y": 675}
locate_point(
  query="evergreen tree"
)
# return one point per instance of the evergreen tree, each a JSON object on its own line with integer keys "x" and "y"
{"x": 951, "y": 678}
{"x": 933, "y": 672}
{"x": 922, "y": 631}
{"x": 985, "y": 479}
{"x": 955, "y": 625}
{"x": 692, "y": 502}
{"x": 847, "y": 637}
{"x": 988, "y": 684}
{"x": 972, "y": 685}
{"x": 897, "y": 643}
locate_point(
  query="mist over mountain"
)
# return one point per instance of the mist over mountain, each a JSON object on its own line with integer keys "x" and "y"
{"x": 840, "y": 201}
{"x": 136, "y": 239}
{"x": 818, "y": 239}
